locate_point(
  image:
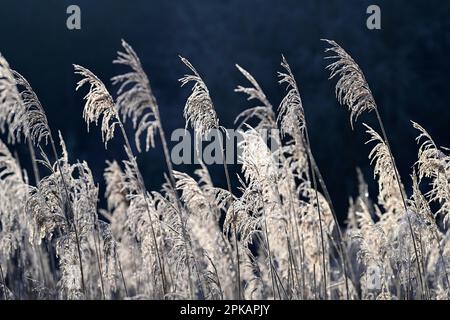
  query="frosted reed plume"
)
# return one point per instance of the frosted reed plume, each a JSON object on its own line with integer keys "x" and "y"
{"x": 99, "y": 103}
{"x": 352, "y": 89}
{"x": 199, "y": 110}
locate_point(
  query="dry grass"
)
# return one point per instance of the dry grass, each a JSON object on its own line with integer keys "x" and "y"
{"x": 280, "y": 238}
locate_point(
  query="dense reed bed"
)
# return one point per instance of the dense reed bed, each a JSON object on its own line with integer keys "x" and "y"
{"x": 275, "y": 236}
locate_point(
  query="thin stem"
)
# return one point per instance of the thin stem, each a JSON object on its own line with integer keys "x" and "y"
{"x": 3, "y": 282}
{"x": 217, "y": 276}
{"x": 121, "y": 275}
{"x": 422, "y": 251}
{"x": 69, "y": 206}
{"x": 302, "y": 256}
{"x": 96, "y": 243}
{"x": 227, "y": 176}
{"x": 99, "y": 264}
{"x": 272, "y": 273}
{"x": 38, "y": 249}
{"x": 144, "y": 193}
{"x": 293, "y": 262}
{"x": 315, "y": 285}
{"x": 173, "y": 184}
{"x": 37, "y": 177}
{"x": 340, "y": 241}
{"x": 313, "y": 174}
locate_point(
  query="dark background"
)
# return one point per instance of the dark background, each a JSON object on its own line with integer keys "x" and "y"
{"x": 405, "y": 63}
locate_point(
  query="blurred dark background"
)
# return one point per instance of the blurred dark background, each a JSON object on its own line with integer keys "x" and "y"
{"x": 405, "y": 64}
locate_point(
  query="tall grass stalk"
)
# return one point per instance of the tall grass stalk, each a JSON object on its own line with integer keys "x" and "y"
{"x": 99, "y": 102}
{"x": 139, "y": 80}
{"x": 199, "y": 111}
{"x": 352, "y": 80}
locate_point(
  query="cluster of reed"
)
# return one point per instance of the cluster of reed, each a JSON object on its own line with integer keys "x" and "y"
{"x": 275, "y": 237}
